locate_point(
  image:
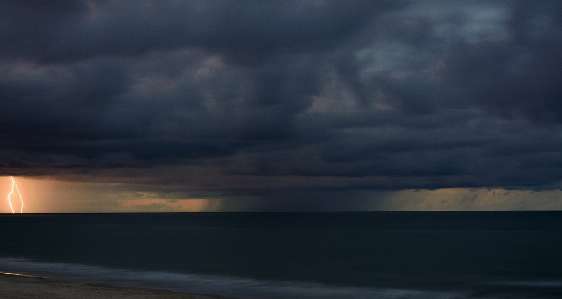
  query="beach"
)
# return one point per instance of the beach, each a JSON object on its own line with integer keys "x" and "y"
{"x": 24, "y": 287}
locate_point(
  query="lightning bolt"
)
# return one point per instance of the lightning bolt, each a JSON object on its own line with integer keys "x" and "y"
{"x": 17, "y": 189}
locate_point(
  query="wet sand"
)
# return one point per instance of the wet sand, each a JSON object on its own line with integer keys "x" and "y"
{"x": 23, "y": 287}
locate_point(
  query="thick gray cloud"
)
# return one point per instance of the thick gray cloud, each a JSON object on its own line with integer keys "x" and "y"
{"x": 265, "y": 96}
{"x": 244, "y": 31}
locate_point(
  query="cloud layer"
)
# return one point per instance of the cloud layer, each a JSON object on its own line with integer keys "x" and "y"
{"x": 265, "y": 96}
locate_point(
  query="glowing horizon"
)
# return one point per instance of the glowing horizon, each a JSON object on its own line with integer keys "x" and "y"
{"x": 52, "y": 195}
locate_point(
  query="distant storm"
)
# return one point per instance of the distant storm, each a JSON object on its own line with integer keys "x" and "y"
{"x": 281, "y": 105}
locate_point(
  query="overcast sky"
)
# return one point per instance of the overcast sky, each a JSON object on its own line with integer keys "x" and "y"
{"x": 284, "y": 105}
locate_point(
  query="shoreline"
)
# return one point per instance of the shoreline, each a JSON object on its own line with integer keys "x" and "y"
{"x": 21, "y": 286}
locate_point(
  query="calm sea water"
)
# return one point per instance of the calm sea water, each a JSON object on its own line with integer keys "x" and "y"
{"x": 297, "y": 255}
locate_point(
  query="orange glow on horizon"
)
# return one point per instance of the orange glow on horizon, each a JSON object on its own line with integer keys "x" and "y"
{"x": 166, "y": 205}
{"x": 48, "y": 195}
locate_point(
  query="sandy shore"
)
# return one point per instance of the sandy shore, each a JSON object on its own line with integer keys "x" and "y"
{"x": 20, "y": 287}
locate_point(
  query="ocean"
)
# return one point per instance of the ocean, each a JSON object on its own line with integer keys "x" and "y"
{"x": 296, "y": 255}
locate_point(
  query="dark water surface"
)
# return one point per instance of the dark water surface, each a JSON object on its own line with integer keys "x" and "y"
{"x": 297, "y": 255}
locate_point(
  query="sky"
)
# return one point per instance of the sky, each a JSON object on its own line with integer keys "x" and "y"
{"x": 118, "y": 106}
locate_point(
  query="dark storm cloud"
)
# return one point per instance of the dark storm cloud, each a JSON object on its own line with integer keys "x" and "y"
{"x": 242, "y": 31}
{"x": 520, "y": 75}
{"x": 261, "y": 96}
